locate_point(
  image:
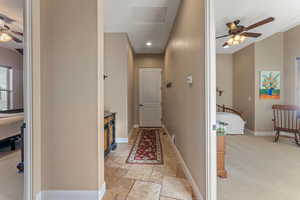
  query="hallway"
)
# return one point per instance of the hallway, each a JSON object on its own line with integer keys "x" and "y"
{"x": 145, "y": 182}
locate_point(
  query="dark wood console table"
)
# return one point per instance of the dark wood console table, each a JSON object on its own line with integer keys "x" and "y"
{"x": 109, "y": 133}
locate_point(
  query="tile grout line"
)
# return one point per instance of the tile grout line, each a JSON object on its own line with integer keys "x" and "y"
{"x": 130, "y": 188}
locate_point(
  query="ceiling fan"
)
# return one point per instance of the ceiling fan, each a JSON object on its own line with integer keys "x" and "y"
{"x": 238, "y": 33}
{"x": 6, "y": 33}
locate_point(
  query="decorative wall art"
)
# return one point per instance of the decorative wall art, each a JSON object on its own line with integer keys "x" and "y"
{"x": 269, "y": 85}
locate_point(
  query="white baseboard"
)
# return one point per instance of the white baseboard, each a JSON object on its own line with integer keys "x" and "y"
{"x": 264, "y": 133}
{"x": 102, "y": 191}
{"x": 187, "y": 172}
{"x": 72, "y": 195}
{"x": 121, "y": 140}
{"x": 136, "y": 126}
{"x": 267, "y": 133}
{"x": 39, "y": 196}
{"x": 260, "y": 133}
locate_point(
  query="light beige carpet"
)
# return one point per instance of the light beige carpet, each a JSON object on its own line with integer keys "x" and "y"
{"x": 260, "y": 169}
{"x": 11, "y": 182}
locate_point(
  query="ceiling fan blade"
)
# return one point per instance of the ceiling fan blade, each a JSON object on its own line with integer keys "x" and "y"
{"x": 6, "y": 19}
{"x": 17, "y": 33}
{"x": 254, "y": 35}
{"x": 218, "y": 37}
{"x": 17, "y": 40}
{"x": 265, "y": 21}
{"x": 7, "y": 27}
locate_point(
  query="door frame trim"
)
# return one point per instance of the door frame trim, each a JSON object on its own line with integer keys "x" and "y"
{"x": 28, "y": 101}
{"x": 210, "y": 101}
{"x": 139, "y": 96}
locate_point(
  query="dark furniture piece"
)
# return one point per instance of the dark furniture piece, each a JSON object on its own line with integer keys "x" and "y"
{"x": 20, "y": 166}
{"x": 12, "y": 111}
{"x": 109, "y": 133}
{"x": 286, "y": 119}
{"x": 12, "y": 139}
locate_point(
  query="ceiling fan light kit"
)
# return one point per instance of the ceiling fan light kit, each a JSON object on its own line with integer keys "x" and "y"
{"x": 4, "y": 37}
{"x": 238, "y": 33}
{"x": 235, "y": 40}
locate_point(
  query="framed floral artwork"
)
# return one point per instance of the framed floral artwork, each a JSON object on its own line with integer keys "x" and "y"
{"x": 269, "y": 85}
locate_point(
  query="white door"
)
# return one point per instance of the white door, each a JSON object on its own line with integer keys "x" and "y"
{"x": 150, "y": 97}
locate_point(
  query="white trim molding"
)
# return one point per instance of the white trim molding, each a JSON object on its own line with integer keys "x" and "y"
{"x": 39, "y": 196}
{"x": 121, "y": 140}
{"x": 186, "y": 171}
{"x": 136, "y": 126}
{"x": 72, "y": 194}
{"x": 102, "y": 191}
{"x": 268, "y": 133}
{"x": 260, "y": 133}
{"x": 264, "y": 133}
{"x": 28, "y": 95}
{"x": 69, "y": 195}
{"x": 210, "y": 101}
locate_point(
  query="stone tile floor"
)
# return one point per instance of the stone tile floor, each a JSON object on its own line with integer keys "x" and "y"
{"x": 145, "y": 182}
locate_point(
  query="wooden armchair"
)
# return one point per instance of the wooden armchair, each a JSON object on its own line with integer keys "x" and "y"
{"x": 286, "y": 119}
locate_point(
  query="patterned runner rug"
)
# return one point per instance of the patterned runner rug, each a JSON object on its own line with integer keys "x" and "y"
{"x": 147, "y": 148}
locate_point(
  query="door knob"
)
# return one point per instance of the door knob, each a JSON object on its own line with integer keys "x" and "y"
{"x": 141, "y": 105}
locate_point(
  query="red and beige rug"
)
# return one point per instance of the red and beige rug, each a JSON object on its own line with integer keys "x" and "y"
{"x": 147, "y": 148}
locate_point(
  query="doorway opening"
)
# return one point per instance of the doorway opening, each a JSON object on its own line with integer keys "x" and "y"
{"x": 258, "y": 96}
{"x": 14, "y": 102}
{"x": 139, "y": 149}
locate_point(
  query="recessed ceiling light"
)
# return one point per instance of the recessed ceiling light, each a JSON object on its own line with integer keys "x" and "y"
{"x": 149, "y": 44}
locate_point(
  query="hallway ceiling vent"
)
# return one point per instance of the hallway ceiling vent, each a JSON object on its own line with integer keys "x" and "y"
{"x": 149, "y": 15}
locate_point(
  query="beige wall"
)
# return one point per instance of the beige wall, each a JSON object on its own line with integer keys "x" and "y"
{"x": 69, "y": 98}
{"x": 36, "y": 100}
{"x": 144, "y": 61}
{"x": 13, "y": 59}
{"x": 130, "y": 84}
{"x": 243, "y": 84}
{"x": 291, "y": 52}
{"x": 268, "y": 56}
{"x": 118, "y": 86}
{"x": 184, "y": 104}
{"x": 224, "y": 66}
{"x": 248, "y": 63}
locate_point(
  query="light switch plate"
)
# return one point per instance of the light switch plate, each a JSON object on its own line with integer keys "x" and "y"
{"x": 189, "y": 79}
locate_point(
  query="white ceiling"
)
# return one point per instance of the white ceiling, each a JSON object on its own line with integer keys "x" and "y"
{"x": 286, "y": 13}
{"x": 12, "y": 9}
{"x": 143, "y": 20}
